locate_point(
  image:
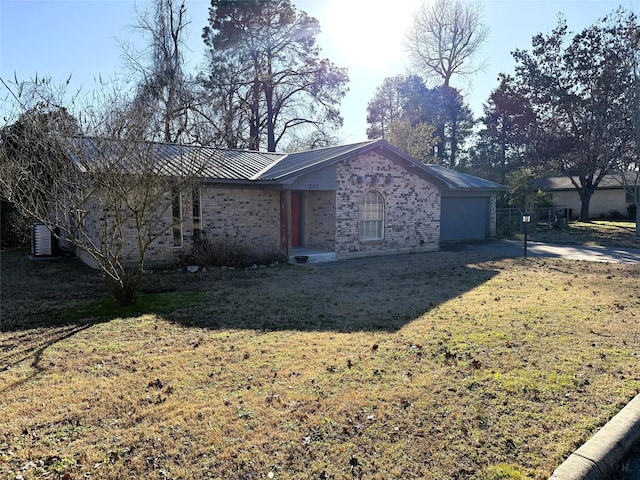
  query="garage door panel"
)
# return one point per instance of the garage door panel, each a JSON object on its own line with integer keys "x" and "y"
{"x": 464, "y": 218}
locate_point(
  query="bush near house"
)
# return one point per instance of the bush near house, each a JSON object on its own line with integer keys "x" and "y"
{"x": 14, "y": 228}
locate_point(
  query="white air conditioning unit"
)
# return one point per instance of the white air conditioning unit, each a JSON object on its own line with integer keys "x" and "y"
{"x": 43, "y": 242}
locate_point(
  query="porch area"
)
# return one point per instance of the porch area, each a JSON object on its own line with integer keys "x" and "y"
{"x": 310, "y": 255}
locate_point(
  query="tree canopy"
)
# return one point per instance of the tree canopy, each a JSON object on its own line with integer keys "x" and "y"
{"x": 506, "y": 126}
{"x": 265, "y": 67}
{"x": 407, "y": 100}
{"x": 578, "y": 88}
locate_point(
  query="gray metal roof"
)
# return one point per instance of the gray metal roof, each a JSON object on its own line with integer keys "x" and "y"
{"x": 304, "y": 162}
{"x": 564, "y": 183}
{"x": 459, "y": 180}
{"x": 172, "y": 159}
{"x": 248, "y": 166}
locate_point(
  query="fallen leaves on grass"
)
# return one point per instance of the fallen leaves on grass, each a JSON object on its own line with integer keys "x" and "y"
{"x": 407, "y": 376}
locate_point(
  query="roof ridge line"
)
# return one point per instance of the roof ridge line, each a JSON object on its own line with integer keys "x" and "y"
{"x": 350, "y": 148}
{"x": 268, "y": 167}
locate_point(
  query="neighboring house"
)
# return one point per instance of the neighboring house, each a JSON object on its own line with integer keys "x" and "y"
{"x": 609, "y": 197}
{"x": 363, "y": 199}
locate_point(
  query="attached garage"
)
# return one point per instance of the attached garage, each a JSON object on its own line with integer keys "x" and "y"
{"x": 465, "y": 218}
{"x": 467, "y": 205}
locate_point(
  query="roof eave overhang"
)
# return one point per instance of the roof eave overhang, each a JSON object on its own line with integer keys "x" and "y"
{"x": 407, "y": 161}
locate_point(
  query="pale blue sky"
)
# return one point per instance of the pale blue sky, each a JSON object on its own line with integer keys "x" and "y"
{"x": 59, "y": 38}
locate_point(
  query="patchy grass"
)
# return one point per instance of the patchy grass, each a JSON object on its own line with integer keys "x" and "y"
{"x": 433, "y": 366}
{"x": 157, "y": 303}
{"x": 606, "y": 233}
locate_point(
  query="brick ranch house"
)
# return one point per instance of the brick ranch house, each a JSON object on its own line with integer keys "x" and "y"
{"x": 363, "y": 199}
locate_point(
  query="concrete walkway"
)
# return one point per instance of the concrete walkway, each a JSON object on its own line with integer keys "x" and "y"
{"x": 515, "y": 248}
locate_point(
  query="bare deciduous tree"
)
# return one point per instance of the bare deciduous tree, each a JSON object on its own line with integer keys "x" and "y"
{"x": 109, "y": 196}
{"x": 445, "y": 38}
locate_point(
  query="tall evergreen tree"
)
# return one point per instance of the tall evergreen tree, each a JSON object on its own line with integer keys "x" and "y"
{"x": 399, "y": 98}
{"x": 278, "y": 80}
{"x": 507, "y": 122}
{"x": 407, "y": 100}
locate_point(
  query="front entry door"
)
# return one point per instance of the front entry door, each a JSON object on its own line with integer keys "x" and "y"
{"x": 296, "y": 219}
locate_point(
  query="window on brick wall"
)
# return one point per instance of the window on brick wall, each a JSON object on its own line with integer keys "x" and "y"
{"x": 197, "y": 214}
{"x": 371, "y": 216}
{"x": 176, "y": 209}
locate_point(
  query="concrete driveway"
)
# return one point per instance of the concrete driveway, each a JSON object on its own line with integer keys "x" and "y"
{"x": 514, "y": 248}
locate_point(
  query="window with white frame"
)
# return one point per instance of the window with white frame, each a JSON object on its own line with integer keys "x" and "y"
{"x": 176, "y": 208}
{"x": 371, "y": 216}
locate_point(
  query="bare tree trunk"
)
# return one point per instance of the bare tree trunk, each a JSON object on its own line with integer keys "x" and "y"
{"x": 585, "y": 200}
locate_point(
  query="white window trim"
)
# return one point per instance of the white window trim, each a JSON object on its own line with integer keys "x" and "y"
{"x": 380, "y": 208}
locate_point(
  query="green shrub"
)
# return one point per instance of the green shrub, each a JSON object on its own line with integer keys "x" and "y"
{"x": 15, "y": 230}
{"x": 221, "y": 253}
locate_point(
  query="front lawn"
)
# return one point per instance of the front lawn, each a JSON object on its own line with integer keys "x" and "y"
{"x": 606, "y": 233}
{"x": 434, "y": 366}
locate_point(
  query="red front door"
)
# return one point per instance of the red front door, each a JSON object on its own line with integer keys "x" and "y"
{"x": 296, "y": 208}
{"x": 296, "y": 219}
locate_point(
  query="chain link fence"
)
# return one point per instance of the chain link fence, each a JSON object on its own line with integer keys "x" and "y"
{"x": 509, "y": 220}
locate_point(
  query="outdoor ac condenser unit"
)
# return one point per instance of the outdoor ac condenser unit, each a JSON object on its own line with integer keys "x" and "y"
{"x": 42, "y": 241}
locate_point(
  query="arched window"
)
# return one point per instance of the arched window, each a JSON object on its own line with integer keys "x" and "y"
{"x": 371, "y": 216}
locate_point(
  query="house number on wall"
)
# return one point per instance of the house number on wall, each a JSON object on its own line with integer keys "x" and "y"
{"x": 314, "y": 186}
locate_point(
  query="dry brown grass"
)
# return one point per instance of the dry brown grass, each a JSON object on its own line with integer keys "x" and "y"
{"x": 439, "y": 365}
{"x": 606, "y": 233}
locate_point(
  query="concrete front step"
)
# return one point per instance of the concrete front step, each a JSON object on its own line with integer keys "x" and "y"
{"x": 304, "y": 255}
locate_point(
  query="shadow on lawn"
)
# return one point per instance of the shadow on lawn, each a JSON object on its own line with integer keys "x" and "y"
{"x": 373, "y": 294}
{"x": 44, "y": 303}
{"x": 32, "y": 346}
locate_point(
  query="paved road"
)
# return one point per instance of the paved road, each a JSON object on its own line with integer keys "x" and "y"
{"x": 514, "y": 248}
{"x": 632, "y": 469}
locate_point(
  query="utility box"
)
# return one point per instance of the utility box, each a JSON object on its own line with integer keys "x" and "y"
{"x": 43, "y": 242}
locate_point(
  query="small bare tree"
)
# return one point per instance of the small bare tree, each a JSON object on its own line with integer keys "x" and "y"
{"x": 445, "y": 38}
{"x": 110, "y": 196}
